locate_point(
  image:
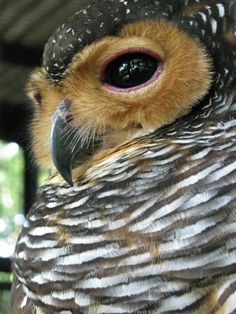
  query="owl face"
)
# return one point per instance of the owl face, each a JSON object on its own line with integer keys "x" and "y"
{"x": 145, "y": 76}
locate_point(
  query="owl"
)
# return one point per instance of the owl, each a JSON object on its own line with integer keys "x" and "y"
{"x": 135, "y": 115}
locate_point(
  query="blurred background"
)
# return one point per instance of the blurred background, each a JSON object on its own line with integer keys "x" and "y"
{"x": 25, "y": 26}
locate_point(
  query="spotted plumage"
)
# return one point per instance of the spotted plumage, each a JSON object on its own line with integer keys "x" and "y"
{"x": 149, "y": 225}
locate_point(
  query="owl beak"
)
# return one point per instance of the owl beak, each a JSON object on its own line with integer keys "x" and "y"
{"x": 62, "y": 152}
{"x": 66, "y": 144}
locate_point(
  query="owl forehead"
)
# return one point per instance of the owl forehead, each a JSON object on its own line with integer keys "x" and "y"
{"x": 98, "y": 19}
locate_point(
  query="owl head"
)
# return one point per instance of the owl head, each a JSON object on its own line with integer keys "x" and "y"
{"x": 113, "y": 71}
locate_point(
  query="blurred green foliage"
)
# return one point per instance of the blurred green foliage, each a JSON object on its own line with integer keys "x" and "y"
{"x": 5, "y": 294}
{"x": 11, "y": 196}
{"x": 11, "y": 179}
{"x": 11, "y": 204}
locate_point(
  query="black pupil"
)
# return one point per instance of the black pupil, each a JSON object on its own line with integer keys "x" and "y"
{"x": 130, "y": 70}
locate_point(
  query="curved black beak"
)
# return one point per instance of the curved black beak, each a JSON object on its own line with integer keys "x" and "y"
{"x": 66, "y": 142}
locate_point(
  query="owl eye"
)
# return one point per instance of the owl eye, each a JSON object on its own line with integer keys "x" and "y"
{"x": 37, "y": 97}
{"x": 130, "y": 71}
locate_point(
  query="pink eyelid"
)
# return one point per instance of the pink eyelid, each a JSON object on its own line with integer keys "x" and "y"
{"x": 154, "y": 77}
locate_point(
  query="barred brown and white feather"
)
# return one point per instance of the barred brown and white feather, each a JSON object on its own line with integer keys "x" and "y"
{"x": 150, "y": 226}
